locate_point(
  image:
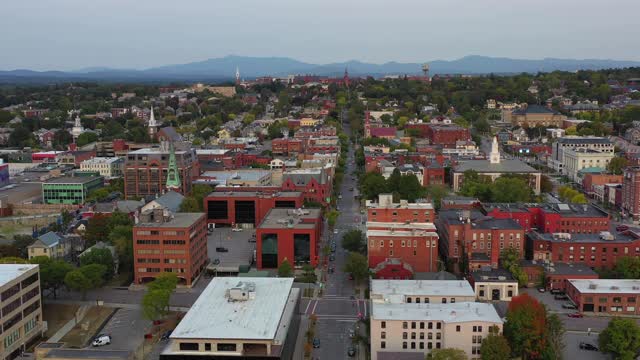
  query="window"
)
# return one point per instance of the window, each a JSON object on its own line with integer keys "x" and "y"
{"x": 383, "y": 344}
{"x": 430, "y": 326}
{"x": 404, "y": 344}
{"x": 421, "y": 323}
{"x": 421, "y": 347}
{"x": 444, "y": 300}
{"x": 405, "y": 325}
{"x": 437, "y": 345}
{"x": 11, "y": 338}
{"x": 421, "y": 336}
{"x": 383, "y": 324}
{"x": 413, "y": 336}
{"x": 457, "y": 328}
{"x": 438, "y": 326}
{"x": 404, "y": 336}
{"x": 383, "y": 335}
{"x": 409, "y": 300}
{"x": 413, "y": 324}
{"x": 226, "y": 347}
{"x": 413, "y": 345}
{"x": 381, "y": 243}
{"x": 438, "y": 336}
{"x": 188, "y": 346}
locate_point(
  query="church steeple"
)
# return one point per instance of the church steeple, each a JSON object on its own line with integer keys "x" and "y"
{"x": 237, "y": 75}
{"x": 494, "y": 157}
{"x": 153, "y": 124}
{"x": 173, "y": 176}
{"x": 77, "y": 129}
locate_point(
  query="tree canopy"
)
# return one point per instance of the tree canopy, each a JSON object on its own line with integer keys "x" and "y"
{"x": 621, "y": 339}
{"x": 354, "y": 240}
{"x": 525, "y": 326}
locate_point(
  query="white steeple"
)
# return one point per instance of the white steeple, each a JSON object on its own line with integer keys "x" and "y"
{"x": 153, "y": 125}
{"x": 237, "y": 75}
{"x": 494, "y": 157}
{"x": 77, "y": 128}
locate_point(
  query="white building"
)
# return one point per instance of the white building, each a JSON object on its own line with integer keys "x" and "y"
{"x": 239, "y": 317}
{"x": 577, "y": 159}
{"x": 109, "y": 167}
{"x": 556, "y": 161}
{"x": 421, "y": 291}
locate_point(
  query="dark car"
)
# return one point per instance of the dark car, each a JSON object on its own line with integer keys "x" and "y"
{"x": 576, "y": 315}
{"x": 560, "y": 297}
{"x": 165, "y": 335}
{"x": 587, "y": 346}
{"x": 316, "y": 343}
{"x": 556, "y": 291}
{"x": 622, "y": 228}
{"x": 222, "y": 249}
{"x": 331, "y": 257}
{"x": 568, "y": 306}
{"x": 351, "y": 351}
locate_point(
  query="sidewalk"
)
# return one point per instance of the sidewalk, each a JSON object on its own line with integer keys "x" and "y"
{"x": 69, "y": 325}
{"x": 298, "y": 353}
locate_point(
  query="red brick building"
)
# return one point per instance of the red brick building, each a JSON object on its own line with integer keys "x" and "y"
{"x": 247, "y": 208}
{"x": 598, "y": 251}
{"x": 393, "y": 269}
{"x": 145, "y": 171}
{"x": 402, "y": 231}
{"x": 166, "y": 242}
{"x": 315, "y": 184}
{"x": 291, "y": 234}
{"x": 556, "y": 274}
{"x": 589, "y": 180}
{"x": 315, "y": 131}
{"x": 605, "y": 296}
{"x": 382, "y": 132}
{"x": 447, "y": 134}
{"x": 287, "y": 146}
{"x": 327, "y": 144}
{"x": 482, "y": 238}
{"x": 552, "y": 218}
{"x": 631, "y": 192}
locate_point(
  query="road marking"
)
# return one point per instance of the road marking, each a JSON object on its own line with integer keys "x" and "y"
{"x": 364, "y": 302}
{"x": 307, "y": 309}
{"x": 314, "y": 307}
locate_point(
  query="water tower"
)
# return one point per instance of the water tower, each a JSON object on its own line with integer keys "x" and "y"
{"x": 425, "y": 70}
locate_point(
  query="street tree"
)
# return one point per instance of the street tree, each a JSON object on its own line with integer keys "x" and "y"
{"x": 627, "y": 267}
{"x": 621, "y": 339}
{"x": 155, "y": 302}
{"x": 554, "y": 332}
{"x": 285, "y": 269}
{"x": 495, "y": 346}
{"x": 617, "y": 164}
{"x": 357, "y": 265}
{"x": 308, "y": 274}
{"x": 52, "y": 273}
{"x": 525, "y": 326}
{"x": 95, "y": 273}
{"x": 76, "y": 280}
{"x": 102, "y": 257}
{"x": 354, "y": 240}
{"x": 121, "y": 236}
{"x": 447, "y": 354}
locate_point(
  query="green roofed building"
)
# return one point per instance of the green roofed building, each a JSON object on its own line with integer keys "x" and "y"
{"x": 70, "y": 190}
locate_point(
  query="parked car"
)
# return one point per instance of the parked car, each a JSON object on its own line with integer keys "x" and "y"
{"x": 316, "y": 343}
{"x": 332, "y": 257}
{"x": 165, "y": 335}
{"x": 622, "y": 228}
{"x": 587, "y": 346}
{"x": 335, "y": 231}
{"x": 568, "y": 306}
{"x": 235, "y": 229}
{"x": 101, "y": 340}
{"x": 222, "y": 249}
{"x": 351, "y": 351}
{"x": 352, "y": 333}
{"x": 541, "y": 290}
{"x": 556, "y": 291}
{"x": 560, "y": 297}
{"x": 576, "y": 315}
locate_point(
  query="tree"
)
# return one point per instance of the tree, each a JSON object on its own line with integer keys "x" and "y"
{"x": 525, "y": 326}
{"x": 8, "y": 250}
{"x": 332, "y": 218}
{"x": 495, "y": 346}
{"x": 76, "y": 280}
{"x": 617, "y": 165}
{"x": 22, "y": 242}
{"x": 627, "y": 267}
{"x": 102, "y": 257}
{"x": 86, "y": 138}
{"x": 52, "y": 273}
{"x": 358, "y": 266}
{"x": 97, "y": 229}
{"x": 164, "y": 281}
{"x": 122, "y": 238}
{"x": 354, "y": 240}
{"x": 409, "y": 188}
{"x": 511, "y": 189}
{"x": 447, "y": 354}
{"x": 372, "y": 184}
{"x": 189, "y": 205}
{"x": 13, "y": 260}
{"x": 554, "y": 331}
{"x": 308, "y": 274}
{"x": 95, "y": 274}
{"x": 436, "y": 193}
{"x": 621, "y": 338}
{"x": 285, "y": 269}
{"x": 546, "y": 186}
{"x": 155, "y": 303}
{"x": 21, "y": 137}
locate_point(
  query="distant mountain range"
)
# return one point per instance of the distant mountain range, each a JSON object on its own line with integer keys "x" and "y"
{"x": 222, "y": 69}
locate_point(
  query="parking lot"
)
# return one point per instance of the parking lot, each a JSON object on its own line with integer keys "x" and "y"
{"x": 127, "y": 328}
{"x": 572, "y": 347}
{"x": 239, "y": 249}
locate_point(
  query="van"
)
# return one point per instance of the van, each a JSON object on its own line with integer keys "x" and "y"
{"x": 101, "y": 340}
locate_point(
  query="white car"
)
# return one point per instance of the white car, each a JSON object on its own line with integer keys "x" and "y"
{"x": 236, "y": 229}
{"x": 335, "y": 231}
{"x": 101, "y": 340}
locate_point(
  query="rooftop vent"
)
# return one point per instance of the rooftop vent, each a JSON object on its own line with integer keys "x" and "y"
{"x": 593, "y": 286}
{"x": 605, "y": 235}
{"x": 243, "y": 291}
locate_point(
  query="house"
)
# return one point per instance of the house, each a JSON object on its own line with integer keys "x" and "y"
{"x": 50, "y": 245}
{"x": 170, "y": 200}
{"x": 101, "y": 245}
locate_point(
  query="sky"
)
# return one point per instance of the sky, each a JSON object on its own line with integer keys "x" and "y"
{"x": 138, "y": 34}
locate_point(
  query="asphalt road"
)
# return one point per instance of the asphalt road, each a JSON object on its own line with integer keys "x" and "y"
{"x": 127, "y": 328}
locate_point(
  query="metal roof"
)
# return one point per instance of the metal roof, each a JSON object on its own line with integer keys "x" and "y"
{"x": 606, "y": 286}
{"x": 9, "y": 272}
{"x": 459, "y": 312}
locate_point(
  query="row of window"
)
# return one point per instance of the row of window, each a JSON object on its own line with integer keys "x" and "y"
{"x": 617, "y": 299}
{"x": 413, "y": 336}
{"x": 404, "y": 243}
{"x": 155, "y": 232}
{"x": 395, "y": 213}
{"x": 405, "y": 324}
{"x": 157, "y": 270}
{"x": 593, "y": 249}
{"x": 164, "y": 242}
{"x": 426, "y": 301}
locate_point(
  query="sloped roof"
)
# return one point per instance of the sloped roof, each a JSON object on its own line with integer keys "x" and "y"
{"x": 49, "y": 239}
{"x": 170, "y": 200}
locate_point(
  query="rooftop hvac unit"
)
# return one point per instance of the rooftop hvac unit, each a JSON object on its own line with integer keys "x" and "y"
{"x": 593, "y": 286}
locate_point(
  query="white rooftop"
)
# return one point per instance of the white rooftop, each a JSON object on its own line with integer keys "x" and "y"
{"x": 606, "y": 286}
{"x": 448, "y": 313}
{"x": 395, "y": 290}
{"x": 213, "y": 316}
{"x": 101, "y": 160}
{"x": 9, "y": 272}
{"x": 211, "y": 151}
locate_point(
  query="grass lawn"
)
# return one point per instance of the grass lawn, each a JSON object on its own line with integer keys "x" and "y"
{"x": 56, "y": 315}
{"x": 80, "y": 335}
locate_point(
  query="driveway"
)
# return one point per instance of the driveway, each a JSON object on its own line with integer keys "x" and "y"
{"x": 127, "y": 328}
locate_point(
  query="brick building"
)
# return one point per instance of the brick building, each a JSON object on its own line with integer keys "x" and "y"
{"x": 287, "y": 146}
{"x": 247, "y": 208}
{"x": 292, "y": 234}
{"x": 631, "y": 192}
{"x": 556, "y": 275}
{"x": 482, "y": 238}
{"x": 315, "y": 184}
{"x": 385, "y": 210}
{"x": 145, "y": 170}
{"x": 598, "y": 251}
{"x": 447, "y": 135}
{"x": 325, "y": 144}
{"x": 169, "y": 242}
{"x": 552, "y": 218}
{"x": 590, "y": 180}
{"x": 605, "y": 296}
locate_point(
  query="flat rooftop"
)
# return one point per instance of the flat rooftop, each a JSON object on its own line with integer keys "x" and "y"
{"x": 504, "y": 166}
{"x": 180, "y": 220}
{"x": 155, "y": 150}
{"x": 290, "y": 218}
{"x": 570, "y": 210}
{"x": 560, "y": 268}
{"x": 459, "y": 312}
{"x": 249, "y": 175}
{"x": 9, "y": 272}
{"x": 478, "y": 220}
{"x": 251, "y": 194}
{"x": 213, "y": 316}
{"x": 606, "y": 286}
{"x": 493, "y": 275}
{"x": 395, "y": 290}
{"x": 623, "y": 237}
{"x": 419, "y": 204}
{"x": 72, "y": 180}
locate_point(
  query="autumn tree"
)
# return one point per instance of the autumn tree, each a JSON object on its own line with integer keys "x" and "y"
{"x": 621, "y": 339}
{"x": 495, "y": 346}
{"x": 447, "y": 354}
{"x": 525, "y": 326}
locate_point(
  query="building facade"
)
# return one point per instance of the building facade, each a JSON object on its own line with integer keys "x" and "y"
{"x": 70, "y": 190}
{"x": 169, "y": 242}
{"x": 247, "y": 209}
{"x": 575, "y": 160}
{"x": 22, "y": 322}
{"x": 107, "y": 167}
{"x": 631, "y": 192}
{"x": 605, "y": 296}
